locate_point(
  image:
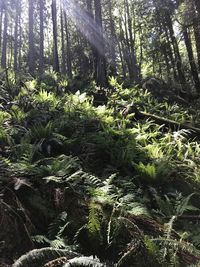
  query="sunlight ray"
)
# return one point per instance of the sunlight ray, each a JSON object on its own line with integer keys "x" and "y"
{"x": 87, "y": 26}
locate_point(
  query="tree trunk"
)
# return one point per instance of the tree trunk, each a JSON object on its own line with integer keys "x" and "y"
{"x": 16, "y": 45}
{"x": 1, "y": 23}
{"x": 31, "y": 58}
{"x": 191, "y": 58}
{"x": 197, "y": 39}
{"x": 122, "y": 59}
{"x": 168, "y": 43}
{"x": 69, "y": 60}
{"x": 10, "y": 59}
{"x": 4, "y": 45}
{"x": 169, "y": 24}
{"x": 90, "y": 37}
{"x": 56, "y": 67}
{"x": 41, "y": 57}
{"x": 20, "y": 43}
{"x": 100, "y": 72}
{"x": 134, "y": 67}
{"x": 62, "y": 42}
{"x": 113, "y": 39}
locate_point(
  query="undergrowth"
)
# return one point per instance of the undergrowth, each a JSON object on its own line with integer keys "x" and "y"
{"x": 84, "y": 177}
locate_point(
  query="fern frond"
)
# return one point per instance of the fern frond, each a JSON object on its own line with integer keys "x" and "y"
{"x": 56, "y": 263}
{"x": 85, "y": 262}
{"x": 57, "y": 225}
{"x": 38, "y": 257}
{"x": 175, "y": 244}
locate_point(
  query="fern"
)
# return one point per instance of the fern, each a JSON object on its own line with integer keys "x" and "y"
{"x": 174, "y": 246}
{"x": 38, "y": 257}
{"x": 85, "y": 261}
{"x": 58, "y": 225}
{"x": 94, "y": 222}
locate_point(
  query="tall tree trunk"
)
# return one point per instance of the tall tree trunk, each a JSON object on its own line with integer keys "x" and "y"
{"x": 169, "y": 24}
{"x": 134, "y": 74}
{"x": 1, "y": 23}
{"x": 10, "y": 57}
{"x": 41, "y": 57}
{"x": 16, "y": 44}
{"x": 164, "y": 52}
{"x": 4, "y": 45}
{"x": 101, "y": 79}
{"x": 68, "y": 49}
{"x": 196, "y": 26}
{"x": 90, "y": 37}
{"x": 168, "y": 46}
{"x": 56, "y": 67}
{"x": 20, "y": 42}
{"x": 122, "y": 59}
{"x": 125, "y": 55}
{"x": 62, "y": 42}
{"x": 113, "y": 39}
{"x": 191, "y": 58}
{"x": 31, "y": 58}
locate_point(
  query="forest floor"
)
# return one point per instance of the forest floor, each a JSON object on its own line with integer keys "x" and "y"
{"x": 82, "y": 172}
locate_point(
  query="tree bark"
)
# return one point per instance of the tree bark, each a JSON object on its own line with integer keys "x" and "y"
{"x": 191, "y": 58}
{"x": 16, "y": 45}
{"x": 100, "y": 70}
{"x": 1, "y": 23}
{"x": 69, "y": 59}
{"x": 62, "y": 42}
{"x": 56, "y": 67}
{"x": 113, "y": 40}
{"x": 181, "y": 75}
{"x": 4, "y": 45}
{"x": 134, "y": 74}
{"x": 31, "y": 58}
{"x": 41, "y": 56}
{"x": 196, "y": 27}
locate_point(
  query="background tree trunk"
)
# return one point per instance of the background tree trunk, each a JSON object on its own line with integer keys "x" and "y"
{"x": 100, "y": 70}
{"x": 4, "y": 45}
{"x": 16, "y": 45}
{"x": 193, "y": 67}
{"x": 56, "y": 67}
{"x": 41, "y": 57}
{"x": 68, "y": 49}
{"x": 31, "y": 58}
{"x": 62, "y": 42}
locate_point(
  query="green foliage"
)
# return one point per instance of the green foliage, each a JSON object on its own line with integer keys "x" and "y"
{"x": 94, "y": 181}
{"x": 176, "y": 205}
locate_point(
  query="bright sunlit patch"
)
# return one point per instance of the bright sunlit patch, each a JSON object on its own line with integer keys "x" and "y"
{"x": 87, "y": 26}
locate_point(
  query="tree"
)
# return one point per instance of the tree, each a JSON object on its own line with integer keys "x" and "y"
{"x": 68, "y": 49}
{"x": 31, "y": 58}
{"x": 62, "y": 40}
{"x": 41, "y": 58}
{"x": 16, "y": 44}
{"x": 56, "y": 67}
{"x": 100, "y": 62}
{"x": 4, "y": 44}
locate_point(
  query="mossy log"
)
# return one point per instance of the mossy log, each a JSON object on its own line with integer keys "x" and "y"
{"x": 174, "y": 125}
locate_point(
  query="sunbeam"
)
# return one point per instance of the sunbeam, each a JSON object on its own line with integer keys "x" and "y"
{"x": 88, "y": 27}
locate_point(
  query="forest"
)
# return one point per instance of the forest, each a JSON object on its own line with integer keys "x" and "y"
{"x": 99, "y": 133}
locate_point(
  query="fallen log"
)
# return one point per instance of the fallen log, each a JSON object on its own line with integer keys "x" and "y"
{"x": 140, "y": 115}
